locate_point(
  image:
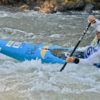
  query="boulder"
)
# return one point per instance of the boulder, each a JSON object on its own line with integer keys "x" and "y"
{"x": 24, "y": 7}
{"x": 0, "y": 3}
{"x": 61, "y": 8}
{"x": 77, "y": 5}
{"x": 89, "y": 7}
{"x": 47, "y": 7}
{"x": 80, "y": 5}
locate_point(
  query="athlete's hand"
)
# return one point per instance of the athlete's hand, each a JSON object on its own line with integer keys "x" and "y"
{"x": 92, "y": 19}
{"x": 70, "y": 59}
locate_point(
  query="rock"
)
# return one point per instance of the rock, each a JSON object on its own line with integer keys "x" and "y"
{"x": 0, "y": 3}
{"x": 76, "y": 6}
{"x": 60, "y": 1}
{"x": 37, "y": 8}
{"x": 24, "y": 7}
{"x": 48, "y": 7}
{"x": 12, "y": 2}
{"x": 70, "y": 7}
{"x": 97, "y": 4}
{"x": 60, "y": 8}
{"x": 45, "y": 10}
{"x": 80, "y": 5}
{"x": 4, "y": 1}
{"x": 89, "y": 7}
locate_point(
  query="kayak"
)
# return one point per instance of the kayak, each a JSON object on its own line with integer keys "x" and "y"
{"x": 27, "y": 51}
{"x": 46, "y": 53}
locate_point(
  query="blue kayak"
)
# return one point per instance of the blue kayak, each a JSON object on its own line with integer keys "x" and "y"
{"x": 28, "y": 51}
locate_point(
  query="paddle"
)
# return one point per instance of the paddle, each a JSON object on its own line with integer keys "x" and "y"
{"x": 80, "y": 39}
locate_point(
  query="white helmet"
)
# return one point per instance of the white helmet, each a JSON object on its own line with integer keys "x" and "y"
{"x": 98, "y": 28}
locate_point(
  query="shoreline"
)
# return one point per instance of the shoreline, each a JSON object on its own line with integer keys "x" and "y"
{"x": 52, "y": 6}
{"x": 73, "y": 12}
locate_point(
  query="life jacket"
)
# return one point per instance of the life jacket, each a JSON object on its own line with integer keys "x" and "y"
{"x": 92, "y": 48}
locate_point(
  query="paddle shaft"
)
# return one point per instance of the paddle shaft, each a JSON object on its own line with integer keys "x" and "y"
{"x": 76, "y": 45}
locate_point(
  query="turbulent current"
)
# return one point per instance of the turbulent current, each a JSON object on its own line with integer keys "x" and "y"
{"x": 32, "y": 80}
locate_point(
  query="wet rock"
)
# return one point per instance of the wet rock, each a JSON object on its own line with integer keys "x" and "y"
{"x": 80, "y": 5}
{"x": 37, "y": 8}
{"x": 0, "y": 3}
{"x": 47, "y": 7}
{"x": 24, "y": 7}
{"x": 76, "y": 6}
{"x": 52, "y": 6}
{"x": 60, "y": 1}
{"x": 61, "y": 8}
{"x": 89, "y": 7}
{"x": 97, "y": 4}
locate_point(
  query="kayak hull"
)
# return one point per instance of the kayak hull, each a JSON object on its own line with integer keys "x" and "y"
{"x": 28, "y": 51}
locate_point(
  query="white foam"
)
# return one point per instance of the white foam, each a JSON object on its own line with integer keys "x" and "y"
{"x": 55, "y": 36}
{"x": 33, "y": 76}
{"x": 3, "y": 14}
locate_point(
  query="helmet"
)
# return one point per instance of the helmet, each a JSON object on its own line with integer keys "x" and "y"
{"x": 98, "y": 28}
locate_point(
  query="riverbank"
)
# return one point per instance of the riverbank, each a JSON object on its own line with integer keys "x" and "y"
{"x": 53, "y": 6}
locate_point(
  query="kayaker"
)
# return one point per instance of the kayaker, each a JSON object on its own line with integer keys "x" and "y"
{"x": 92, "y": 53}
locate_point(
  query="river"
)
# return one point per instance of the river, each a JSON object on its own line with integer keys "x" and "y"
{"x": 32, "y": 80}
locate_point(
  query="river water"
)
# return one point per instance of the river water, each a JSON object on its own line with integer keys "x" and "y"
{"x": 32, "y": 80}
